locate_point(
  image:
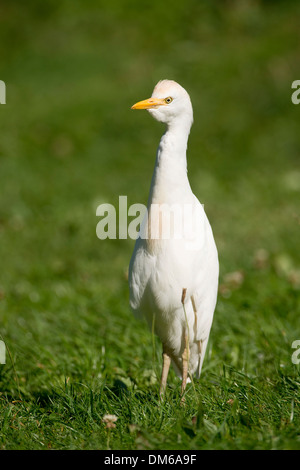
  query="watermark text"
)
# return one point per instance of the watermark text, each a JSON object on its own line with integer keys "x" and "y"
{"x": 158, "y": 222}
{"x": 2, "y": 92}
{"x": 2, "y": 352}
{"x": 296, "y": 354}
{"x": 296, "y": 95}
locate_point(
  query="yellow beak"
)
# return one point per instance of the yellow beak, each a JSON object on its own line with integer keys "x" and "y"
{"x": 149, "y": 103}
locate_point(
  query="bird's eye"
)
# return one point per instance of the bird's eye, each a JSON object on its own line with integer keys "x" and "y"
{"x": 168, "y": 100}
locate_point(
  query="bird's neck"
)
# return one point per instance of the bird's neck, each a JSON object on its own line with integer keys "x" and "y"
{"x": 170, "y": 181}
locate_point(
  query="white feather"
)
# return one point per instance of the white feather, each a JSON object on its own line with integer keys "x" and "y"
{"x": 161, "y": 268}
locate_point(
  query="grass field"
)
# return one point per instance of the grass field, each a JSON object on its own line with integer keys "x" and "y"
{"x": 70, "y": 142}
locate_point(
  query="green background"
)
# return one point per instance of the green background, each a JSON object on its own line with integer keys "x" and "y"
{"x": 70, "y": 142}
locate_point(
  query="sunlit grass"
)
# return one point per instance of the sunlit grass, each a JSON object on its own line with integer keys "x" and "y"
{"x": 70, "y": 142}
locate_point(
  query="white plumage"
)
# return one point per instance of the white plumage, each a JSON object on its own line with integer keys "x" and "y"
{"x": 173, "y": 272}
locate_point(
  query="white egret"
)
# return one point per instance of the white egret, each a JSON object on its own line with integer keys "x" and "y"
{"x": 174, "y": 269}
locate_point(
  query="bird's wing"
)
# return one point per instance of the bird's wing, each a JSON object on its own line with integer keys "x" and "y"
{"x": 140, "y": 269}
{"x": 205, "y": 289}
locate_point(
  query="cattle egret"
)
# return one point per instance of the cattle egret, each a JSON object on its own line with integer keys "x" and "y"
{"x": 174, "y": 269}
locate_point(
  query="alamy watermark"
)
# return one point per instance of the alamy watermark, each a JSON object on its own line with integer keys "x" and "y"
{"x": 158, "y": 222}
{"x": 296, "y": 354}
{"x": 2, "y": 92}
{"x": 296, "y": 95}
{"x": 2, "y": 352}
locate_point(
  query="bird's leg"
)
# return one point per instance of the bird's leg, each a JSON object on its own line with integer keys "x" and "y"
{"x": 183, "y": 295}
{"x": 195, "y": 310}
{"x": 185, "y": 354}
{"x": 164, "y": 374}
{"x": 185, "y": 366}
{"x": 195, "y": 324}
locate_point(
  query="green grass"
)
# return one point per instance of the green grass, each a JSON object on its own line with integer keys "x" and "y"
{"x": 69, "y": 142}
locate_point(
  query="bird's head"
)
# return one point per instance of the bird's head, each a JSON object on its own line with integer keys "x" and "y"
{"x": 169, "y": 103}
